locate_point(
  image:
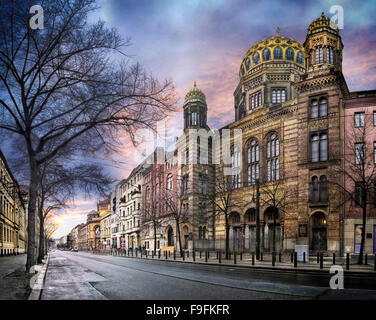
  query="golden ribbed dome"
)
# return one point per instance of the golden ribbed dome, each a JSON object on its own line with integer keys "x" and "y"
{"x": 322, "y": 23}
{"x": 195, "y": 94}
{"x": 277, "y": 48}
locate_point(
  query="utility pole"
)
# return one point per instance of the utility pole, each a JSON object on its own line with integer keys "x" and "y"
{"x": 257, "y": 219}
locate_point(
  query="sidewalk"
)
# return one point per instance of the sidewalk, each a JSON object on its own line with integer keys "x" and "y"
{"x": 14, "y": 283}
{"x": 285, "y": 264}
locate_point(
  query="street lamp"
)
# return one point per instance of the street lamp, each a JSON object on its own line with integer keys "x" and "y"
{"x": 257, "y": 199}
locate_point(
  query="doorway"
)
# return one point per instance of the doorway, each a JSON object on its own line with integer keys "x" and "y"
{"x": 319, "y": 232}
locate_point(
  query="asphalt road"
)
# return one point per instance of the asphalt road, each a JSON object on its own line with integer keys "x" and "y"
{"x": 85, "y": 276}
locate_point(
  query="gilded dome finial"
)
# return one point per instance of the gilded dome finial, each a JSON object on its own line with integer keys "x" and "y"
{"x": 277, "y": 31}
{"x": 194, "y": 84}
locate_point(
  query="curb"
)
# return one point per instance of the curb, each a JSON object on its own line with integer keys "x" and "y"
{"x": 38, "y": 285}
{"x": 265, "y": 268}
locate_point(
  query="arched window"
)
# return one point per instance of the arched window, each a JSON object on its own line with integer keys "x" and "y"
{"x": 290, "y": 54}
{"x": 277, "y": 53}
{"x": 250, "y": 216}
{"x": 300, "y": 57}
{"x": 248, "y": 63}
{"x": 319, "y": 147}
{"x": 319, "y": 220}
{"x": 243, "y": 71}
{"x": 170, "y": 237}
{"x": 235, "y": 165}
{"x": 271, "y": 213}
{"x": 256, "y": 58}
{"x": 319, "y": 55}
{"x": 266, "y": 55}
{"x": 314, "y": 195}
{"x": 323, "y": 107}
{"x": 194, "y": 119}
{"x": 234, "y": 218}
{"x": 148, "y": 193}
{"x": 323, "y": 188}
{"x": 330, "y": 55}
{"x": 314, "y": 109}
{"x": 169, "y": 182}
{"x": 253, "y": 159}
{"x": 272, "y": 157}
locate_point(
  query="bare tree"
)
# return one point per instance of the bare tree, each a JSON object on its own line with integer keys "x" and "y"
{"x": 278, "y": 196}
{"x": 174, "y": 200}
{"x": 359, "y": 172}
{"x": 69, "y": 81}
{"x": 152, "y": 210}
{"x": 221, "y": 196}
{"x": 58, "y": 185}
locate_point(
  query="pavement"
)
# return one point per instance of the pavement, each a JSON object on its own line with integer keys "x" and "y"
{"x": 14, "y": 283}
{"x": 87, "y": 276}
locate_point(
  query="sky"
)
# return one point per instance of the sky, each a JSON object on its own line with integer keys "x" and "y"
{"x": 205, "y": 41}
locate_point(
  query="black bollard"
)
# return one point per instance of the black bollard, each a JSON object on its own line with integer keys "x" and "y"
{"x": 273, "y": 259}
{"x": 292, "y": 257}
{"x": 318, "y": 257}
{"x": 321, "y": 260}
{"x": 188, "y": 254}
{"x": 219, "y": 256}
{"x": 194, "y": 255}
{"x": 280, "y": 257}
{"x": 159, "y": 254}
{"x": 366, "y": 259}
{"x": 241, "y": 255}
{"x": 304, "y": 259}
{"x": 174, "y": 255}
{"x": 183, "y": 255}
{"x": 374, "y": 262}
{"x": 166, "y": 255}
{"x": 169, "y": 254}
{"x": 261, "y": 256}
{"x": 347, "y": 261}
{"x": 295, "y": 259}
{"x": 334, "y": 258}
{"x": 253, "y": 259}
{"x": 235, "y": 257}
{"x": 206, "y": 256}
{"x": 200, "y": 254}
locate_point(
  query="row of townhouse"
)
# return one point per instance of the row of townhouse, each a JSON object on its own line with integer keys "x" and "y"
{"x": 13, "y": 213}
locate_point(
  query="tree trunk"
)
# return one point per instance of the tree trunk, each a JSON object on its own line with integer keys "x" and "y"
{"x": 155, "y": 239}
{"x": 274, "y": 226}
{"x": 179, "y": 237}
{"x": 362, "y": 242}
{"x": 41, "y": 239}
{"x": 227, "y": 240}
{"x": 41, "y": 230}
{"x": 33, "y": 187}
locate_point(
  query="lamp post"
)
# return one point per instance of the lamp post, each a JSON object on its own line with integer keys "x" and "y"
{"x": 256, "y": 199}
{"x": 257, "y": 219}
